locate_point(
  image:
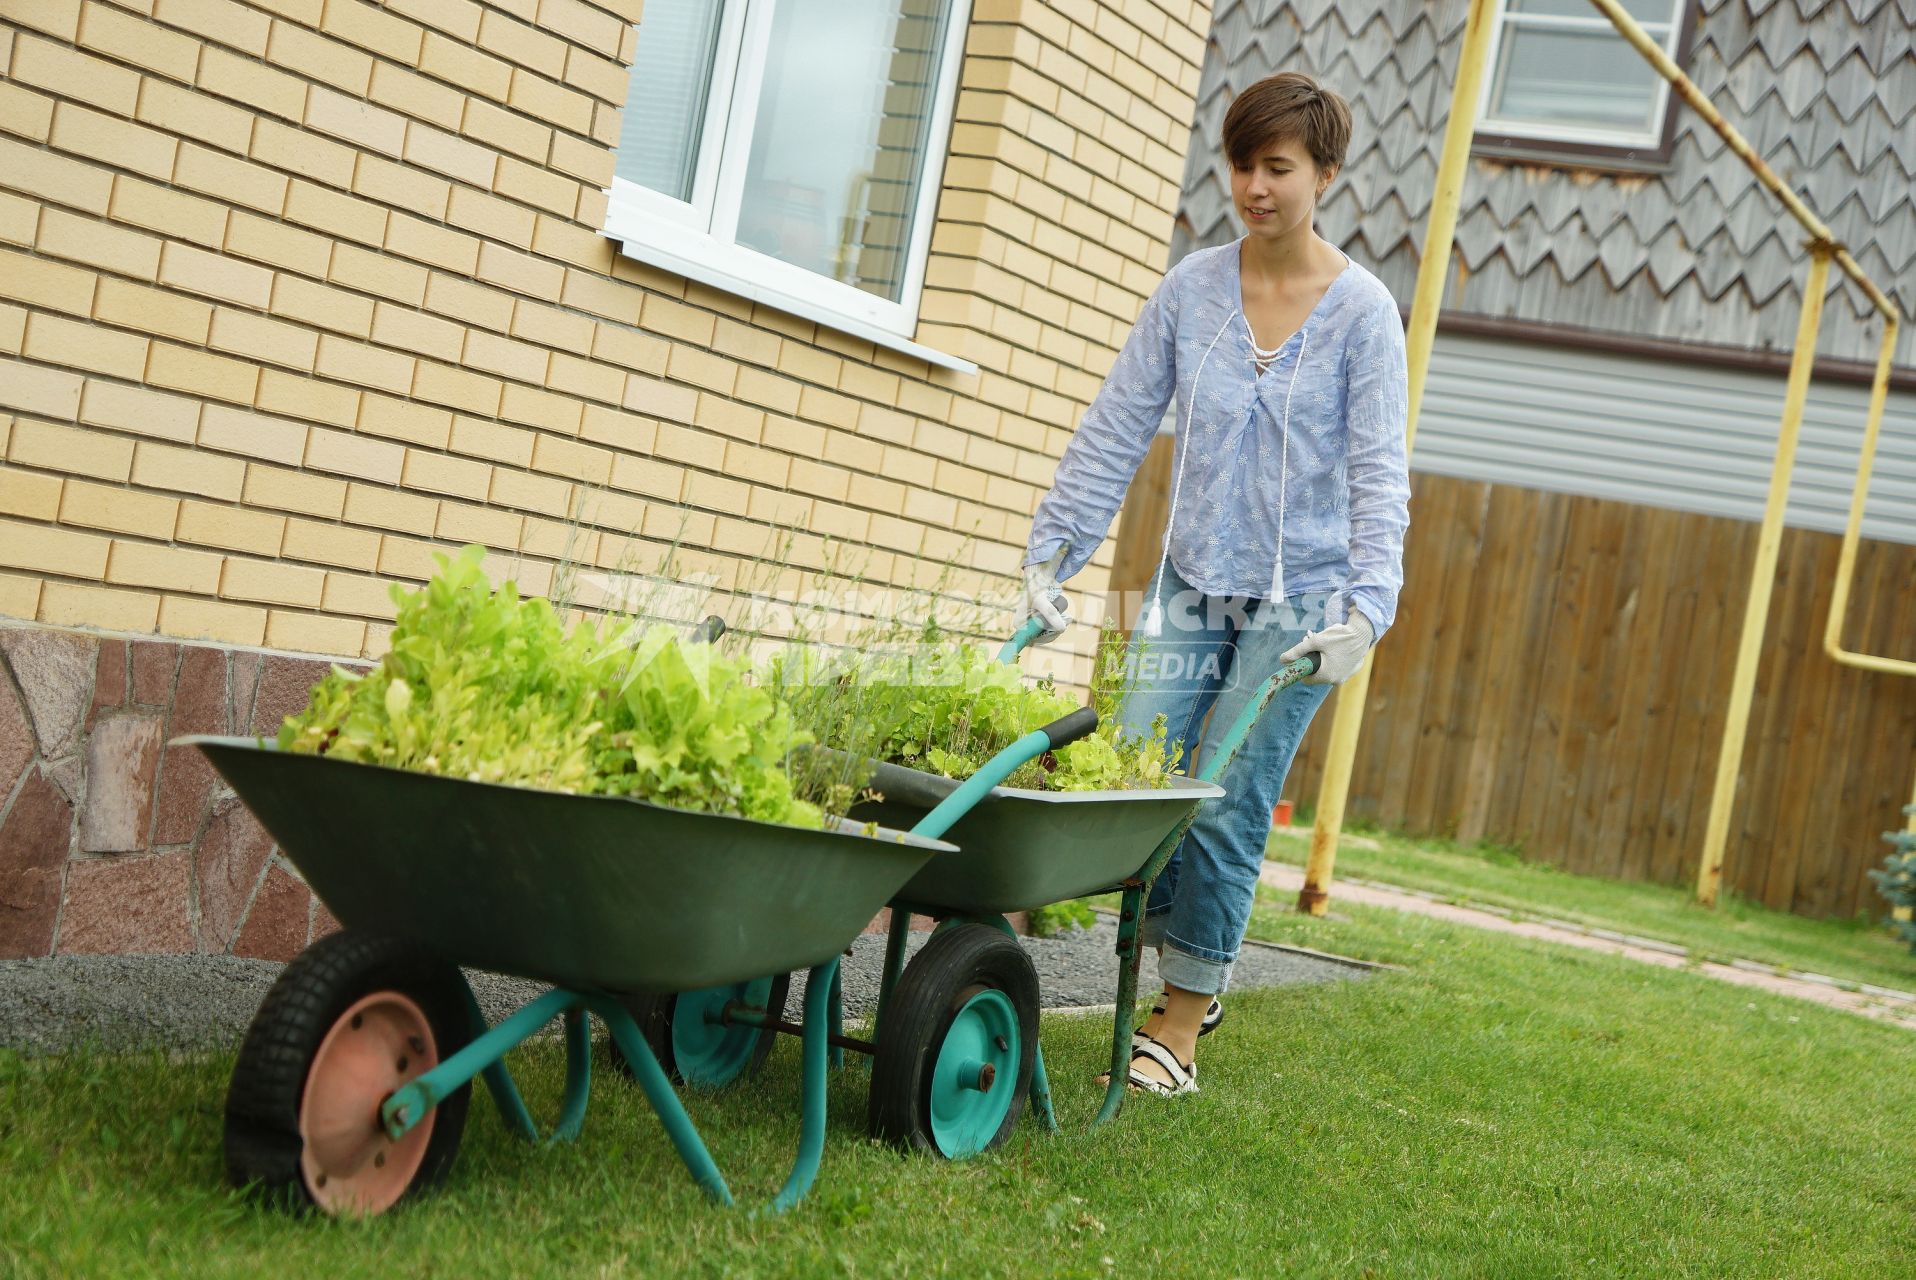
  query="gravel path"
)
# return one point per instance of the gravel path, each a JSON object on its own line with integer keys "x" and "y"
{"x": 187, "y": 1002}
{"x": 1081, "y": 969}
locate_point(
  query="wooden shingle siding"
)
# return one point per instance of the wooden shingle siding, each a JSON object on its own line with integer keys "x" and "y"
{"x": 1824, "y": 89}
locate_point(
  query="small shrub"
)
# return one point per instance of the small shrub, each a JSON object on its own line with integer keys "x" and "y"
{"x": 1055, "y": 918}
{"x": 1897, "y": 881}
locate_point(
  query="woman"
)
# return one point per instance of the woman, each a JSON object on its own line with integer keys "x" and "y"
{"x": 1289, "y": 503}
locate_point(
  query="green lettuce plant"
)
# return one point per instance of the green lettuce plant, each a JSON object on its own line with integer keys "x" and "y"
{"x": 947, "y": 706}
{"x": 481, "y": 684}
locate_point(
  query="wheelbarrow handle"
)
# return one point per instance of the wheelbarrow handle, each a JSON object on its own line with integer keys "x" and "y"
{"x": 1032, "y": 625}
{"x": 1020, "y": 640}
{"x": 1278, "y": 681}
{"x": 1081, "y": 723}
{"x": 1001, "y": 766}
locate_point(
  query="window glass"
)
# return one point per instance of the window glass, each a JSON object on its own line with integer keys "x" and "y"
{"x": 1588, "y": 79}
{"x": 788, "y": 151}
{"x": 665, "y": 104}
{"x": 840, "y": 138}
{"x": 1649, "y": 11}
{"x": 1561, "y": 72}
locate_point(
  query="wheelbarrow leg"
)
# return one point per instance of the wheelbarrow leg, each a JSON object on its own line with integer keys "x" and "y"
{"x": 811, "y": 1134}
{"x": 505, "y": 1093}
{"x": 578, "y": 1076}
{"x": 896, "y": 936}
{"x": 658, "y": 1091}
{"x": 1041, "y": 1092}
{"x": 499, "y": 1083}
{"x": 1129, "y": 955}
{"x": 838, "y": 1020}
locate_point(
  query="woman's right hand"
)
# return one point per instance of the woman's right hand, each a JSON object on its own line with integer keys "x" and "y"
{"x": 1341, "y": 648}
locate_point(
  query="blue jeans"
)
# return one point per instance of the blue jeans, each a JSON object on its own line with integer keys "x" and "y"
{"x": 1211, "y": 655}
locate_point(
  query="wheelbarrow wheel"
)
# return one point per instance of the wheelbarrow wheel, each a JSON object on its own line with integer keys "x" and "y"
{"x": 694, "y": 1044}
{"x": 956, "y": 1048}
{"x": 352, "y": 1018}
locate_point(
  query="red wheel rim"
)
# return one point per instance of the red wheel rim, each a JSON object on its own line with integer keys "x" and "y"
{"x": 349, "y": 1164}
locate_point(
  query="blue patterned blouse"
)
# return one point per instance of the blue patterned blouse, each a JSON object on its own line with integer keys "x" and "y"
{"x": 1325, "y": 423}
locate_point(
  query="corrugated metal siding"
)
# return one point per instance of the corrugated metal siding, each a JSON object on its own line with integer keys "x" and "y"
{"x": 1658, "y": 432}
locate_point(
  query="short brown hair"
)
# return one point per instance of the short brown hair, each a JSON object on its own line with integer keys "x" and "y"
{"x": 1289, "y": 105}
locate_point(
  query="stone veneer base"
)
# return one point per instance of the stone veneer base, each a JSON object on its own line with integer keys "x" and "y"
{"x": 111, "y": 842}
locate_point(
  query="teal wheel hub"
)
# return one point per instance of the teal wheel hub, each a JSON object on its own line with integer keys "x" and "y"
{"x": 975, "y": 1079}
{"x": 710, "y": 1051}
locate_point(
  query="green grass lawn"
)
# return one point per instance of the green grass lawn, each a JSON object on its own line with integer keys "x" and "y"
{"x": 1501, "y": 1108}
{"x": 1856, "y": 951}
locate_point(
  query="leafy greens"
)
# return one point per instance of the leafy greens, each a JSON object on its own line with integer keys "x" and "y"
{"x": 481, "y": 684}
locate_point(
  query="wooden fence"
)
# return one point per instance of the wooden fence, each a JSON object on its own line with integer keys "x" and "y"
{"x": 1557, "y": 676}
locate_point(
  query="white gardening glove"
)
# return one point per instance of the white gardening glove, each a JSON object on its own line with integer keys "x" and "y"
{"x": 1342, "y": 646}
{"x": 1044, "y": 600}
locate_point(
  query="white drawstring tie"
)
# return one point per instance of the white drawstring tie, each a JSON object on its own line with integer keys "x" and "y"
{"x": 1152, "y": 624}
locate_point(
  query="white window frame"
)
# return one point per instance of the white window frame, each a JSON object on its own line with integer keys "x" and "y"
{"x": 696, "y": 238}
{"x": 1531, "y": 130}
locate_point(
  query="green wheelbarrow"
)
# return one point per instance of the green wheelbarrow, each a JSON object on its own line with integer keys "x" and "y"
{"x": 352, "y": 1082}
{"x": 1022, "y": 849}
{"x": 954, "y": 1047}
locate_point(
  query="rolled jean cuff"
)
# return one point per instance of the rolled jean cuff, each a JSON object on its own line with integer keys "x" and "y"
{"x": 1187, "y": 972}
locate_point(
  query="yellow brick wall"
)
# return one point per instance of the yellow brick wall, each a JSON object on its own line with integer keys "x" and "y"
{"x": 295, "y": 292}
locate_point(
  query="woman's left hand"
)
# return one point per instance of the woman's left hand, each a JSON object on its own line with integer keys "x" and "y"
{"x": 1342, "y": 646}
{"x": 1045, "y": 601}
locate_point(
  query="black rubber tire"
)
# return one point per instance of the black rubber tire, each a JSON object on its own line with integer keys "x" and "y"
{"x": 950, "y": 969}
{"x": 263, "y": 1146}
{"x": 654, "y": 1016}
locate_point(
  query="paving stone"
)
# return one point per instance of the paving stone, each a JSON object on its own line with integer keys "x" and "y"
{"x": 154, "y": 662}
{"x": 276, "y": 927}
{"x": 199, "y": 1002}
{"x": 54, "y": 669}
{"x": 186, "y": 779}
{"x": 109, "y": 680}
{"x": 285, "y": 687}
{"x": 122, "y": 759}
{"x": 128, "y": 906}
{"x": 34, "y": 842}
{"x": 324, "y": 922}
{"x": 245, "y": 681}
{"x": 16, "y": 738}
{"x": 229, "y": 860}
{"x": 70, "y": 776}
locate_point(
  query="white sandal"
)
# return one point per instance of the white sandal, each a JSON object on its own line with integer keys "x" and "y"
{"x": 1183, "y": 1078}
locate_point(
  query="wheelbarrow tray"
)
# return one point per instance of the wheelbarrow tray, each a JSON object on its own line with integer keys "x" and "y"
{"x": 1024, "y": 848}
{"x": 584, "y": 892}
